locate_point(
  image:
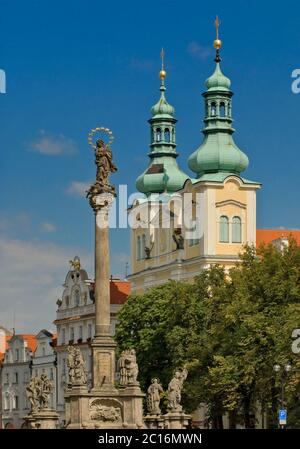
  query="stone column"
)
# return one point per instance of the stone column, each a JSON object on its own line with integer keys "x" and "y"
{"x": 103, "y": 346}
{"x": 102, "y": 266}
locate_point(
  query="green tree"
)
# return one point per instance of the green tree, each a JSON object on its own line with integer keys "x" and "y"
{"x": 229, "y": 329}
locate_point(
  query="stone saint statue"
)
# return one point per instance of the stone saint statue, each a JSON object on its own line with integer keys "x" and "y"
{"x": 174, "y": 390}
{"x": 153, "y": 397}
{"x": 38, "y": 392}
{"x": 76, "y": 366}
{"x": 105, "y": 166}
{"x": 104, "y": 162}
{"x": 45, "y": 391}
{"x": 128, "y": 367}
{"x": 31, "y": 391}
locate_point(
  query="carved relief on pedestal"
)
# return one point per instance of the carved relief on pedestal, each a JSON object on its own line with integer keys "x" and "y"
{"x": 76, "y": 367}
{"x": 106, "y": 411}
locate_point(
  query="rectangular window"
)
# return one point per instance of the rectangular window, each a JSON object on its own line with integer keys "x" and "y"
{"x": 63, "y": 336}
{"x": 6, "y": 403}
{"x": 80, "y": 332}
{"x": 16, "y": 378}
{"x": 72, "y": 333}
{"x": 16, "y": 403}
{"x": 17, "y": 355}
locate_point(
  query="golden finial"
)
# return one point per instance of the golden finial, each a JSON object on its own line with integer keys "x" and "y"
{"x": 75, "y": 264}
{"x": 162, "y": 73}
{"x": 217, "y": 41}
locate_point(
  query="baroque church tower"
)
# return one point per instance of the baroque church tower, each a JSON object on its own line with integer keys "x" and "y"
{"x": 222, "y": 203}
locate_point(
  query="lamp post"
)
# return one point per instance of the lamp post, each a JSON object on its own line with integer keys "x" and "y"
{"x": 283, "y": 372}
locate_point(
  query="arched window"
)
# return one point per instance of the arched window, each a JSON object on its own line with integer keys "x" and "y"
{"x": 158, "y": 134}
{"x": 77, "y": 298}
{"x": 236, "y": 230}
{"x": 167, "y": 135}
{"x": 224, "y": 229}
{"x": 213, "y": 109}
{"x": 143, "y": 246}
{"x": 222, "y": 110}
{"x": 138, "y": 249}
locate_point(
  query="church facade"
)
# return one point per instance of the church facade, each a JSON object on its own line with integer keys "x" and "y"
{"x": 184, "y": 223}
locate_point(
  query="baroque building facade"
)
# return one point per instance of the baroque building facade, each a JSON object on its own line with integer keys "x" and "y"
{"x": 15, "y": 375}
{"x": 75, "y": 322}
{"x": 184, "y": 223}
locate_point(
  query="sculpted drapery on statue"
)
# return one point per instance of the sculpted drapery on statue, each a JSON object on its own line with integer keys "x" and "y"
{"x": 174, "y": 389}
{"x": 153, "y": 397}
{"x": 105, "y": 166}
{"x": 104, "y": 163}
{"x": 38, "y": 392}
{"x": 76, "y": 366}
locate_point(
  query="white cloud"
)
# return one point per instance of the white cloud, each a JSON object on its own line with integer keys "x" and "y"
{"x": 199, "y": 51}
{"x": 31, "y": 278}
{"x": 46, "y": 226}
{"x": 51, "y": 145}
{"x": 78, "y": 188}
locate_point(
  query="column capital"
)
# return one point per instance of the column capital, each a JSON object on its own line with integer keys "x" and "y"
{"x": 99, "y": 200}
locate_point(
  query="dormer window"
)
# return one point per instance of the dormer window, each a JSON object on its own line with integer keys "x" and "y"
{"x": 77, "y": 298}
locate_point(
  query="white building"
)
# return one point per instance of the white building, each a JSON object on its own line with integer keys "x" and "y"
{"x": 44, "y": 361}
{"x": 24, "y": 356}
{"x": 75, "y": 321}
{"x": 15, "y": 375}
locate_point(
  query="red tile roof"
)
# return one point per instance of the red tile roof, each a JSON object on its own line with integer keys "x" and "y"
{"x": 29, "y": 338}
{"x": 268, "y": 235}
{"x": 7, "y": 338}
{"x": 119, "y": 291}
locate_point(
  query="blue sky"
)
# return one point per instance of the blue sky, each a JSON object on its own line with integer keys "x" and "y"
{"x": 71, "y": 66}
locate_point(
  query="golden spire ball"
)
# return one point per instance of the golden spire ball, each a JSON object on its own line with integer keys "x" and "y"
{"x": 162, "y": 73}
{"x": 217, "y": 41}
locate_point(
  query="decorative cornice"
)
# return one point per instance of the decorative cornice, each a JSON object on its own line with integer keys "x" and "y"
{"x": 231, "y": 201}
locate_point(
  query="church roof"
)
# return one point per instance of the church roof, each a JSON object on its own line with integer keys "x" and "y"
{"x": 119, "y": 290}
{"x": 269, "y": 235}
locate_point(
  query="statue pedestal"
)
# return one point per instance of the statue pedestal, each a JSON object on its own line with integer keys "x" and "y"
{"x": 118, "y": 409}
{"x": 43, "y": 419}
{"x": 177, "y": 420}
{"x": 154, "y": 421}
